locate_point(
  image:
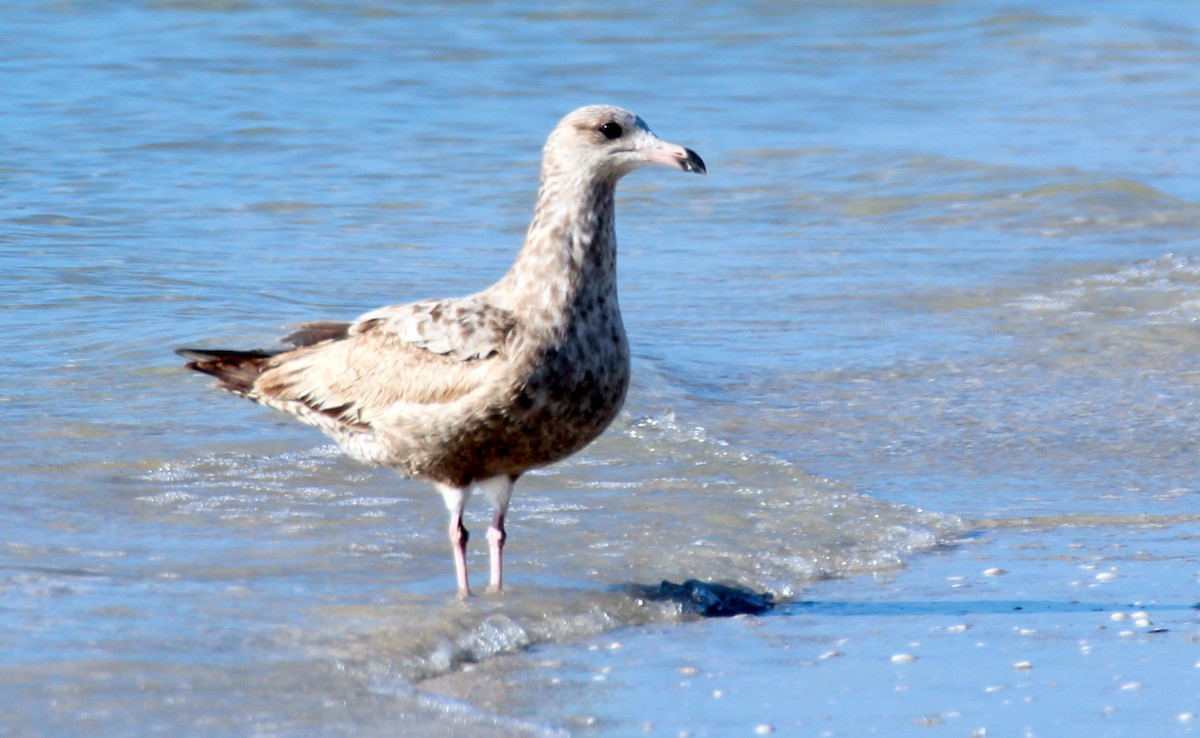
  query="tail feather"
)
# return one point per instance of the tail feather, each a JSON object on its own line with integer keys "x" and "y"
{"x": 236, "y": 371}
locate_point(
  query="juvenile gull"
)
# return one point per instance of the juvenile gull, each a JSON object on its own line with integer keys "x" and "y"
{"x": 471, "y": 392}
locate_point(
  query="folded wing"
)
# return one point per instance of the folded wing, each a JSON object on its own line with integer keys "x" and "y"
{"x": 352, "y": 374}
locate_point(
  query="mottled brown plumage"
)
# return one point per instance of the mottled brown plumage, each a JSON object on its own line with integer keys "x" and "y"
{"x": 471, "y": 392}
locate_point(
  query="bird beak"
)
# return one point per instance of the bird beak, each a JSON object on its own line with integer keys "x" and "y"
{"x": 674, "y": 155}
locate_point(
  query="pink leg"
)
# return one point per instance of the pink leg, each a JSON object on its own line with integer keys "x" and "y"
{"x": 496, "y": 536}
{"x": 456, "y": 501}
{"x": 498, "y": 490}
{"x": 458, "y": 541}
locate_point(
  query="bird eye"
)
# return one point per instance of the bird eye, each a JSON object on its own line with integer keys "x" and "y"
{"x": 611, "y": 130}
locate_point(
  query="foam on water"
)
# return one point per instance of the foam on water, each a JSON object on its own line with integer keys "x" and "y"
{"x": 1156, "y": 293}
{"x": 359, "y": 580}
{"x": 593, "y": 524}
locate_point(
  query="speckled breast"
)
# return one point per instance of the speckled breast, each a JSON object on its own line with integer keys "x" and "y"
{"x": 571, "y": 396}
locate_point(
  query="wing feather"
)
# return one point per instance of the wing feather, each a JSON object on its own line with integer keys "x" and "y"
{"x": 433, "y": 351}
{"x": 465, "y": 328}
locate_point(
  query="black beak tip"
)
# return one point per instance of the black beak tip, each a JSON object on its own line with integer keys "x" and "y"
{"x": 693, "y": 163}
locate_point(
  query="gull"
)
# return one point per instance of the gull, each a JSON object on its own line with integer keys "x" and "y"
{"x": 471, "y": 392}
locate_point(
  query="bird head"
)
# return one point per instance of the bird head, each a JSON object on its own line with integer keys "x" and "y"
{"x": 612, "y": 142}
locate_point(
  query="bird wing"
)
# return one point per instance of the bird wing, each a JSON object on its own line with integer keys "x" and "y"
{"x": 433, "y": 351}
{"x": 465, "y": 329}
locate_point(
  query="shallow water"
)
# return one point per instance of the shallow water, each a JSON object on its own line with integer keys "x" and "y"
{"x": 938, "y": 294}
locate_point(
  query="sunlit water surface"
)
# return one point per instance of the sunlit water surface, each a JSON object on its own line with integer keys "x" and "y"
{"x": 942, "y": 275}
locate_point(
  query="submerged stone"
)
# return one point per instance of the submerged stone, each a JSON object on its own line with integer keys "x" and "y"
{"x": 707, "y": 598}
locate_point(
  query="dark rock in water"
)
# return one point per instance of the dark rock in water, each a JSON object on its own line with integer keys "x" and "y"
{"x": 707, "y": 599}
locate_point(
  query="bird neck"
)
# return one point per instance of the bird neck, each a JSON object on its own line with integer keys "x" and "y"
{"x": 569, "y": 261}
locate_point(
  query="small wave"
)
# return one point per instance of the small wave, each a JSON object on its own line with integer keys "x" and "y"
{"x": 939, "y": 192}
{"x": 734, "y": 516}
{"x": 680, "y": 505}
{"x": 1163, "y": 292}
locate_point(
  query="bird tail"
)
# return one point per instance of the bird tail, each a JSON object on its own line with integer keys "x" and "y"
{"x": 236, "y": 371}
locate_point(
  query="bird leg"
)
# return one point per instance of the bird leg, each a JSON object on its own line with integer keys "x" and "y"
{"x": 496, "y": 536}
{"x": 458, "y": 542}
{"x": 456, "y": 501}
{"x": 499, "y": 491}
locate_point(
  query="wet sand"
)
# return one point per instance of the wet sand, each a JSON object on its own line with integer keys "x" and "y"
{"x": 1017, "y": 631}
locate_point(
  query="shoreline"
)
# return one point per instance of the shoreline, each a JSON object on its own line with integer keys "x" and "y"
{"x": 1035, "y": 632}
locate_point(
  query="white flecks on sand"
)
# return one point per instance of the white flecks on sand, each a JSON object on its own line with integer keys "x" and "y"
{"x": 1037, "y": 644}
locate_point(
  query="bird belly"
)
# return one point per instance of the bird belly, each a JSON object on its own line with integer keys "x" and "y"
{"x": 547, "y": 414}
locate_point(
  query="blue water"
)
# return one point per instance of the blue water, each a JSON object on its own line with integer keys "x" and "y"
{"x": 933, "y": 308}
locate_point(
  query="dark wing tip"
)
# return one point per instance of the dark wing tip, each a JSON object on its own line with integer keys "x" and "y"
{"x": 235, "y": 371}
{"x": 221, "y": 354}
{"x": 309, "y": 334}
